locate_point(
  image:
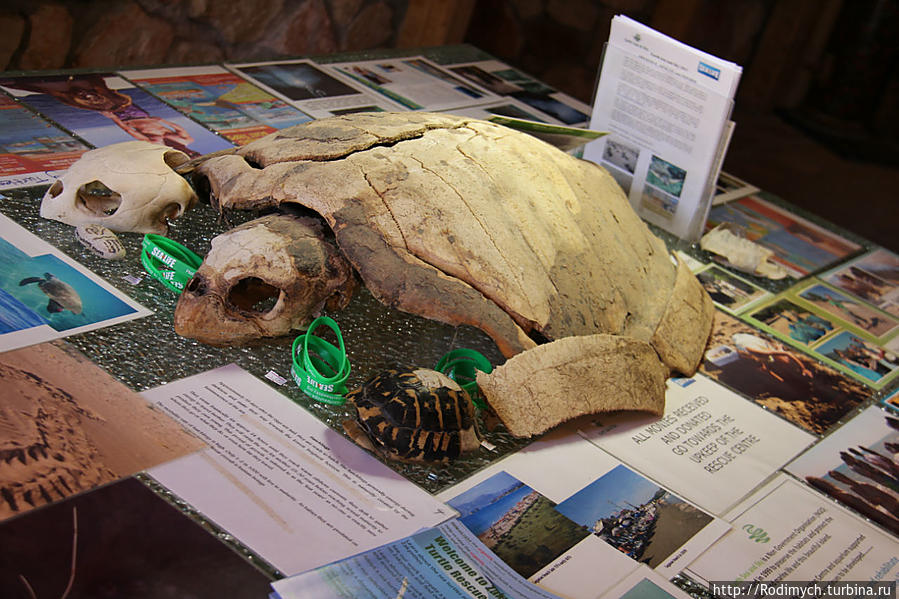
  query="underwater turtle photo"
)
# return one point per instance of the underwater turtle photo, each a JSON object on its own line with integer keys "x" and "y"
{"x": 62, "y": 296}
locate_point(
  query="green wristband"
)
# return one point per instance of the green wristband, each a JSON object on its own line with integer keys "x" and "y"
{"x": 320, "y": 369}
{"x": 168, "y": 261}
{"x": 462, "y": 365}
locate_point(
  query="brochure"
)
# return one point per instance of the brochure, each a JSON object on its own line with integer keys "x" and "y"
{"x": 32, "y": 151}
{"x": 120, "y": 540}
{"x": 574, "y": 520}
{"x": 314, "y": 89}
{"x": 857, "y": 466}
{"x": 287, "y": 486}
{"x": 509, "y": 107}
{"x": 219, "y": 99}
{"x": 415, "y": 83}
{"x": 503, "y": 80}
{"x": 645, "y": 583}
{"x": 788, "y": 532}
{"x": 443, "y": 562}
{"x": 667, "y": 107}
{"x": 68, "y": 426}
{"x": 711, "y": 446}
{"x": 103, "y": 109}
{"x": 46, "y": 295}
{"x": 785, "y": 380}
{"x": 799, "y": 245}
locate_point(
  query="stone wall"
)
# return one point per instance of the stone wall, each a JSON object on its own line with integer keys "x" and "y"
{"x": 54, "y": 34}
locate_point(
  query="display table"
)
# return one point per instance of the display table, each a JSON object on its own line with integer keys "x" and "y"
{"x": 751, "y": 385}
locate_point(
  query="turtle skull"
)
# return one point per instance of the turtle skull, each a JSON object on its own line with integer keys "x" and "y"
{"x": 263, "y": 279}
{"x": 129, "y": 186}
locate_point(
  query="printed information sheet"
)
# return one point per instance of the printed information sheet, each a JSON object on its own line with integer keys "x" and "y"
{"x": 788, "y": 532}
{"x": 711, "y": 446}
{"x": 281, "y": 481}
{"x": 667, "y": 108}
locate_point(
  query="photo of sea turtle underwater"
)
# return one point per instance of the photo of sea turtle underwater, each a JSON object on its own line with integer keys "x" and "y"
{"x": 44, "y": 290}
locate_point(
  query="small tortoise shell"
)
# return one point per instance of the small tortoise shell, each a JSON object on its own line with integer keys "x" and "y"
{"x": 414, "y": 415}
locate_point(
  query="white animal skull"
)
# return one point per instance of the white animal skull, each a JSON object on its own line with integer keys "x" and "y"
{"x": 129, "y": 186}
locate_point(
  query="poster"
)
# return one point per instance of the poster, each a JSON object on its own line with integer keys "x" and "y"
{"x": 103, "y": 109}
{"x": 32, "y": 151}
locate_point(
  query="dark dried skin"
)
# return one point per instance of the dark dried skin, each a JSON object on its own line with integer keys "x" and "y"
{"x": 281, "y": 258}
{"x": 467, "y": 222}
{"x": 404, "y": 419}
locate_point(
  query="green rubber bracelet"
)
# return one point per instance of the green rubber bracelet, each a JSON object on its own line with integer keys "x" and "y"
{"x": 168, "y": 261}
{"x": 320, "y": 369}
{"x": 462, "y": 365}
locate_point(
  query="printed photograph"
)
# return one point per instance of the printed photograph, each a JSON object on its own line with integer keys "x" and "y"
{"x": 517, "y": 523}
{"x": 646, "y": 589}
{"x": 45, "y": 290}
{"x": 621, "y": 155}
{"x": 799, "y": 245}
{"x": 862, "y": 357}
{"x": 794, "y": 322}
{"x": 68, "y": 427}
{"x": 438, "y": 73}
{"x": 658, "y": 202}
{"x": 858, "y": 465}
{"x": 859, "y": 280}
{"x": 892, "y": 401}
{"x": 666, "y": 176}
{"x": 635, "y": 516}
{"x": 487, "y": 80}
{"x": 121, "y": 540}
{"x": 855, "y": 312}
{"x": 623, "y": 179}
{"x": 782, "y": 379}
{"x": 299, "y": 80}
{"x": 728, "y": 290}
{"x": 104, "y": 109}
{"x": 568, "y": 115}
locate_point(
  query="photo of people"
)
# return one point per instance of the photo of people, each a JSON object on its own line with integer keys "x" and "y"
{"x": 104, "y": 109}
{"x": 727, "y": 290}
{"x": 861, "y": 357}
{"x": 858, "y": 465}
{"x": 634, "y": 515}
{"x": 851, "y": 310}
{"x": 517, "y": 523}
{"x": 794, "y": 322}
{"x": 786, "y": 381}
{"x": 870, "y": 278}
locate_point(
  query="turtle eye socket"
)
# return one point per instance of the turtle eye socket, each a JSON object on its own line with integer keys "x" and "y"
{"x": 252, "y": 294}
{"x": 98, "y": 199}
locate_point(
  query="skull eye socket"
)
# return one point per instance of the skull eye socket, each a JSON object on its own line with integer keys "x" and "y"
{"x": 252, "y": 294}
{"x": 98, "y": 199}
{"x": 55, "y": 189}
{"x": 173, "y": 159}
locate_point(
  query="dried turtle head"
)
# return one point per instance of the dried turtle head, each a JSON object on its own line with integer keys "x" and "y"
{"x": 128, "y": 186}
{"x": 413, "y": 415}
{"x": 263, "y": 279}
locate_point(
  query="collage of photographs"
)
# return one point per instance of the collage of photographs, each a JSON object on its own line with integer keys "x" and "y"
{"x": 137, "y": 463}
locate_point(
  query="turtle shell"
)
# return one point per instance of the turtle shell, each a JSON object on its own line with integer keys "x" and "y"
{"x": 415, "y": 415}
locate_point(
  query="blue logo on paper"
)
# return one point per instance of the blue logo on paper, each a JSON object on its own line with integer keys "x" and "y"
{"x": 709, "y": 71}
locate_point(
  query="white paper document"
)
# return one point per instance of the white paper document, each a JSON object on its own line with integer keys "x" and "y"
{"x": 414, "y": 82}
{"x": 788, "y": 532}
{"x": 574, "y": 520}
{"x": 667, "y": 108}
{"x": 711, "y": 446}
{"x": 282, "y": 482}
